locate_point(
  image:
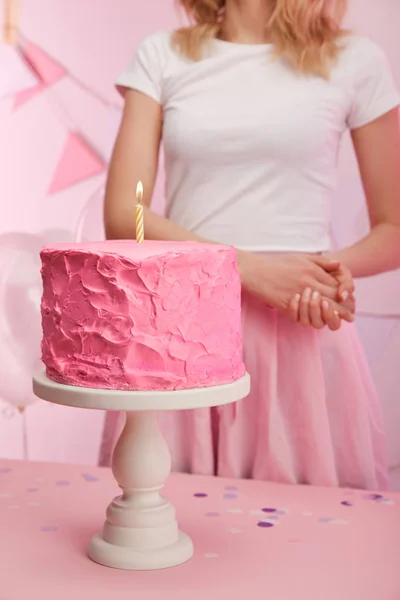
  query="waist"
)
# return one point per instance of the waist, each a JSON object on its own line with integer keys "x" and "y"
{"x": 264, "y": 230}
{"x": 262, "y": 237}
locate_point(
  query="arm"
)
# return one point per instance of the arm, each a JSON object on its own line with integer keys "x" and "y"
{"x": 135, "y": 157}
{"x": 377, "y": 147}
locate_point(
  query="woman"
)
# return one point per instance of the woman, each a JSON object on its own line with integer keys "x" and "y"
{"x": 251, "y": 103}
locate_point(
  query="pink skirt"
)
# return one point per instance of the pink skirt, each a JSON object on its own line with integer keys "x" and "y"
{"x": 312, "y": 416}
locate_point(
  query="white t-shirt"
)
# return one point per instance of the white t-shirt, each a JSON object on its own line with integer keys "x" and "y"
{"x": 251, "y": 146}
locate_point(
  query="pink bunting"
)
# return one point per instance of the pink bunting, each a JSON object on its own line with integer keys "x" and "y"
{"x": 77, "y": 163}
{"x": 46, "y": 69}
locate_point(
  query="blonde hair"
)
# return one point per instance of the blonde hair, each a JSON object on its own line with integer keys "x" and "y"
{"x": 304, "y": 32}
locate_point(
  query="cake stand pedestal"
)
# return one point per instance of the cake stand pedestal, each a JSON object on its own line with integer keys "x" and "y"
{"x": 140, "y": 531}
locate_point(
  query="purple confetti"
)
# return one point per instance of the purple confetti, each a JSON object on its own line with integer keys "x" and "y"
{"x": 5, "y": 470}
{"x": 338, "y": 522}
{"x": 346, "y": 503}
{"x": 89, "y": 478}
{"x": 230, "y": 496}
{"x": 31, "y": 490}
{"x": 373, "y": 497}
{"x": 62, "y": 482}
{"x": 264, "y": 524}
{"x": 281, "y": 512}
{"x": 48, "y": 528}
{"x": 213, "y": 514}
{"x": 200, "y": 495}
{"x": 231, "y": 488}
{"x": 269, "y": 510}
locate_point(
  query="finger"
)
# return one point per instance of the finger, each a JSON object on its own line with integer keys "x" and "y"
{"x": 326, "y": 278}
{"x": 315, "y": 311}
{"x": 326, "y": 290}
{"x": 330, "y": 316}
{"x": 328, "y": 264}
{"x": 345, "y": 277}
{"x": 345, "y": 292}
{"x": 345, "y": 280}
{"x": 344, "y": 313}
{"x": 349, "y": 304}
{"x": 304, "y": 316}
{"x": 294, "y": 308}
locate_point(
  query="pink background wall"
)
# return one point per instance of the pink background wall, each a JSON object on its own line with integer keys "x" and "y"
{"x": 93, "y": 41}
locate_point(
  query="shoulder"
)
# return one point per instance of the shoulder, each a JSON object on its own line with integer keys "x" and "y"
{"x": 157, "y": 53}
{"x": 153, "y": 62}
{"x": 364, "y": 72}
{"x": 158, "y": 44}
{"x": 157, "y": 39}
{"x": 359, "y": 52}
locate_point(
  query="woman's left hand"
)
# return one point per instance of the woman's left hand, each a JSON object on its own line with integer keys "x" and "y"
{"x": 346, "y": 287}
{"x": 311, "y": 309}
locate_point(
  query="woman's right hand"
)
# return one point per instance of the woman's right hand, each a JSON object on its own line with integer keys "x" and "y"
{"x": 276, "y": 280}
{"x": 310, "y": 309}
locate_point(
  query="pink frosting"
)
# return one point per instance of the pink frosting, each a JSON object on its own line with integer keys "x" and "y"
{"x": 152, "y": 316}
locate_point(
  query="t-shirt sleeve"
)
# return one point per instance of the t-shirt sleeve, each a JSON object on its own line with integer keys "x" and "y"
{"x": 144, "y": 73}
{"x": 374, "y": 89}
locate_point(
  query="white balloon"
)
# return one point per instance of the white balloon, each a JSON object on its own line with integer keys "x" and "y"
{"x": 20, "y": 330}
{"x": 90, "y": 223}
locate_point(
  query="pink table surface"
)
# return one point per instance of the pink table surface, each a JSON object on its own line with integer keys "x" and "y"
{"x": 307, "y": 545}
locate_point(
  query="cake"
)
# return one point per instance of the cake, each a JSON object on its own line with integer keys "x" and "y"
{"x": 153, "y": 316}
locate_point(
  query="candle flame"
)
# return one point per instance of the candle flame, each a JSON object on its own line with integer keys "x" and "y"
{"x": 139, "y": 192}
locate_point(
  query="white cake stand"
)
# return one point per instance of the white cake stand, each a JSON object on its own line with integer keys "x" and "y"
{"x": 140, "y": 531}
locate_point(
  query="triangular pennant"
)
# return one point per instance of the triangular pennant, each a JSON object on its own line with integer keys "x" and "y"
{"x": 46, "y": 68}
{"x": 24, "y": 96}
{"x": 77, "y": 163}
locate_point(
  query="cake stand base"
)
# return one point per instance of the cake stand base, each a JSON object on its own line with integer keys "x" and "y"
{"x": 140, "y": 531}
{"x": 119, "y": 557}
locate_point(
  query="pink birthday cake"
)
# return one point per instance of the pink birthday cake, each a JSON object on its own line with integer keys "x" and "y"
{"x": 152, "y": 316}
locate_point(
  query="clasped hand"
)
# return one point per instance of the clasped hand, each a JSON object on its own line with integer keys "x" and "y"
{"x": 312, "y": 289}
